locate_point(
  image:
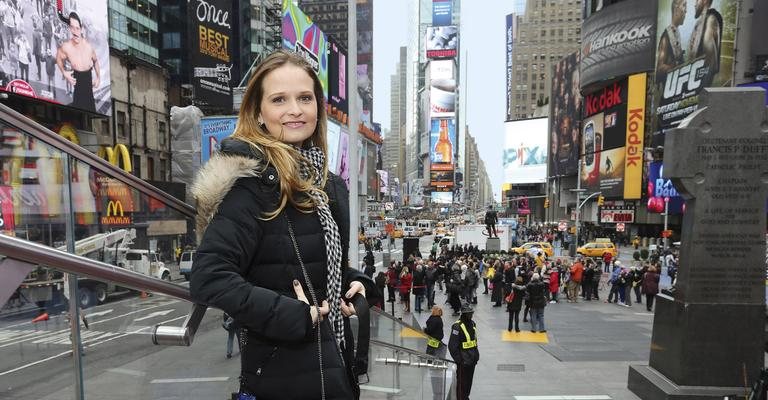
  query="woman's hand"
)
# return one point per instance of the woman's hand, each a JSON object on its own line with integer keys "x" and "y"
{"x": 317, "y": 313}
{"x": 354, "y": 288}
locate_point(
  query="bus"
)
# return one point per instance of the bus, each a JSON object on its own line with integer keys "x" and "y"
{"x": 426, "y": 226}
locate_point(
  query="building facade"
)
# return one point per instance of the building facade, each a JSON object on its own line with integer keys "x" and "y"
{"x": 547, "y": 32}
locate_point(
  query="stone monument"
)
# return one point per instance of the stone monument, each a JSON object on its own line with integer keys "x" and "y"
{"x": 708, "y": 332}
{"x": 493, "y": 244}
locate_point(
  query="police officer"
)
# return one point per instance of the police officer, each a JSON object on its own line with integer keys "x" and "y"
{"x": 463, "y": 348}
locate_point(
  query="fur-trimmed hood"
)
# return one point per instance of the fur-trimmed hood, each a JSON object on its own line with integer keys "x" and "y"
{"x": 214, "y": 180}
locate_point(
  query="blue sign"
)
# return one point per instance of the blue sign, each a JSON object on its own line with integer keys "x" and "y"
{"x": 441, "y": 12}
{"x": 661, "y": 188}
{"x": 213, "y": 131}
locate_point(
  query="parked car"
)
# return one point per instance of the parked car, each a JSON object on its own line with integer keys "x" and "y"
{"x": 598, "y": 249}
{"x": 185, "y": 263}
{"x": 530, "y": 246}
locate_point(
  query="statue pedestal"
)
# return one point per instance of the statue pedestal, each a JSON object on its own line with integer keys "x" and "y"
{"x": 493, "y": 244}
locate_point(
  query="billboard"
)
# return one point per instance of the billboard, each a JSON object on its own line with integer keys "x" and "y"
{"x": 612, "y": 138}
{"x": 442, "y": 144}
{"x": 566, "y": 117}
{"x": 441, "y": 12}
{"x": 510, "y": 37}
{"x": 333, "y": 135}
{"x": 383, "y": 181}
{"x": 660, "y": 189}
{"x": 442, "y": 41}
{"x": 695, "y": 50}
{"x": 213, "y": 130}
{"x": 618, "y": 41}
{"x": 36, "y": 37}
{"x": 525, "y": 151}
{"x": 442, "y": 89}
{"x": 442, "y": 197}
{"x": 211, "y": 52}
{"x": 365, "y": 61}
{"x": 302, "y": 36}
{"x": 343, "y": 167}
{"x": 337, "y": 76}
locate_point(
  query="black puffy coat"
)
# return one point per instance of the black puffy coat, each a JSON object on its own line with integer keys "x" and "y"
{"x": 245, "y": 265}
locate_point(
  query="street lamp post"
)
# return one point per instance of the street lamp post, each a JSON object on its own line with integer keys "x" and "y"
{"x": 666, "y": 216}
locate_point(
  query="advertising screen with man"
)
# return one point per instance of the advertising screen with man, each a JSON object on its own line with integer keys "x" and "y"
{"x": 56, "y": 54}
{"x": 694, "y": 50}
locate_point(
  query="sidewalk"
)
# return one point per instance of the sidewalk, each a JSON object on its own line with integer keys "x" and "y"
{"x": 586, "y": 351}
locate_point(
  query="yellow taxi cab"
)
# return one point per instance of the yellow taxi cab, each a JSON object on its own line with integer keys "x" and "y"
{"x": 531, "y": 246}
{"x": 598, "y": 248}
{"x": 397, "y": 233}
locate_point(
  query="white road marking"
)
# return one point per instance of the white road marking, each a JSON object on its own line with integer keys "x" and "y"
{"x": 154, "y": 314}
{"x": 192, "y": 380}
{"x": 126, "y": 371}
{"x": 566, "y": 397}
{"x": 98, "y": 313}
{"x": 10, "y": 371}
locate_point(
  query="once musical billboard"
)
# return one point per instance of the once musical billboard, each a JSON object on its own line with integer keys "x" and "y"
{"x": 525, "y": 151}
{"x": 213, "y": 130}
{"x": 566, "y": 117}
{"x": 442, "y": 11}
{"x": 57, "y": 54}
{"x": 694, "y": 50}
{"x": 301, "y": 35}
{"x": 211, "y": 52}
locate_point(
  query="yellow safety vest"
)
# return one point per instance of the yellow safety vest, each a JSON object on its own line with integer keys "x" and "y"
{"x": 468, "y": 344}
{"x": 432, "y": 342}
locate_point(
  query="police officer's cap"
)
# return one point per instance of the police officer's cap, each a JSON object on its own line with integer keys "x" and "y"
{"x": 466, "y": 308}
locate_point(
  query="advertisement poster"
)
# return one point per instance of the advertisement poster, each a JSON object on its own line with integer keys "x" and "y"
{"x": 618, "y": 41}
{"x": 442, "y": 197}
{"x": 337, "y": 76}
{"x": 383, "y": 182}
{"x": 612, "y": 151}
{"x": 365, "y": 61}
{"x": 372, "y": 178}
{"x": 36, "y": 34}
{"x": 442, "y": 41}
{"x": 301, "y": 35}
{"x": 525, "y": 151}
{"x": 442, "y": 142}
{"x": 213, "y": 131}
{"x": 695, "y": 44}
{"x": 441, "y": 12}
{"x": 344, "y": 157}
{"x": 566, "y": 117}
{"x": 661, "y": 189}
{"x": 510, "y": 39}
{"x": 441, "y": 179}
{"x": 211, "y": 52}
{"x": 333, "y": 135}
{"x": 442, "y": 97}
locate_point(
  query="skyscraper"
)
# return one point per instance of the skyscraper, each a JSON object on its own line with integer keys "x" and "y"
{"x": 547, "y": 32}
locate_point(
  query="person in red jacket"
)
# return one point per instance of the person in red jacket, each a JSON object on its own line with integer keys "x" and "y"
{"x": 554, "y": 284}
{"x": 607, "y": 258}
{"x": 577, "y": 270}
{"x": 650, "y": 286}
{"x": 406, "y": 279}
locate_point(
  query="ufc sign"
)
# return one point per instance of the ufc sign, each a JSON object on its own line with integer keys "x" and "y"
{"x": 115, "y": 214}
{"x": 688, "y": 77}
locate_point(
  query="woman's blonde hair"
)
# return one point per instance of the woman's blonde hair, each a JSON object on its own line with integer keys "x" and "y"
{"x": 437, "y": 311}
{"x": 284, "y": 157}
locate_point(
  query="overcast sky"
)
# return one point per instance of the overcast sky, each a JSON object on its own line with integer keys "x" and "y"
{"x": 482, "y": 36}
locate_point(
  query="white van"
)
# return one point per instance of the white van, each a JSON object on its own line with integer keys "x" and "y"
{"x": 185, "y": 263}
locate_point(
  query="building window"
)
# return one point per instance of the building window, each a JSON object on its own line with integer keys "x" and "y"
{"x": 172, "y": 40}
{"x": 151, "y": 168}
{"x": 161, "y": 133}
{"x": 163, "y": 170}
{"x": 137, "y": 165}
{"x": 121, "y": 123}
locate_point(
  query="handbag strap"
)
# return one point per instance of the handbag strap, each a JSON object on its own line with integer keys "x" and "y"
{"x": 360, "y": 366}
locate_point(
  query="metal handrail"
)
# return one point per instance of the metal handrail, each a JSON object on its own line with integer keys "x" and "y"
{"x": 411, "y": 352}
{"x": 32, "y": 128}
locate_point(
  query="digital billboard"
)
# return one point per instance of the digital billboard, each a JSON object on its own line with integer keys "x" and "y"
{"x": 383, "y": 181}
{"x": 566, "y": 117}
{"x": 337, "y": 76}
{"x": 618, "y": 41}
{"x": 525, "y": 151}
{"x": 694, "y": 51}
{"x": 442, "y": 197}
{"x": 612, "y": 138}
{"x": 441, "y": 12}
{"x": 213, "y": 130}
{"x": 442, "y": 144}
{"x": 442, "y": 89}
{"x": 442, "y": 41}
{"x": 343, "y": 167}
{"x": 57, "y": 54}
{"x": 211, "y": 52}
{"x": 661, "y": 189}
{"x": 301, "y": 35}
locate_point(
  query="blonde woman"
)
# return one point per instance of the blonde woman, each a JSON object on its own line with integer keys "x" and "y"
{"x": 273, "y": 226}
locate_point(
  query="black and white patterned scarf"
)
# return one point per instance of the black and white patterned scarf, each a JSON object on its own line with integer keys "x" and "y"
{"x": 316, "y": 159}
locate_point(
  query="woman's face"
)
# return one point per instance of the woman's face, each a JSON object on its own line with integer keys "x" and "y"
{"x": 289, "y": 106}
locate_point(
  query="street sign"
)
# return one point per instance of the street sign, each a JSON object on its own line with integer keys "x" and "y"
{"x": 620, "y": 227}
{"x": 666, "y": 234}
{"x": 562, "y": 226}
{"x": 389, "y": 206}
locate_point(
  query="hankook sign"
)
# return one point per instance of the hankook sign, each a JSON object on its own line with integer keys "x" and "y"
{"x": 618, "y": 41}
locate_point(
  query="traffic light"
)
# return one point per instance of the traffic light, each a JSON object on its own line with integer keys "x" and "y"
{"x": 546, "y": 203}
{"x": 600, "y": 200}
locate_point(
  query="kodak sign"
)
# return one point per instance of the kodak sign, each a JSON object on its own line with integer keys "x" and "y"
{"x": 633, "y": 160}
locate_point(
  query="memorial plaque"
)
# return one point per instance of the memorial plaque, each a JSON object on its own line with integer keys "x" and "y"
{"x": 709, "y": 332}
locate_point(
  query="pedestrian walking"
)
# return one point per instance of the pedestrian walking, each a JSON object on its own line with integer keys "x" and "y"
{"x": 463, "y": 348}
{"x": 233, "y": 330}
{"x": 514, "y": 306}
{"x": 650, "y": 286}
